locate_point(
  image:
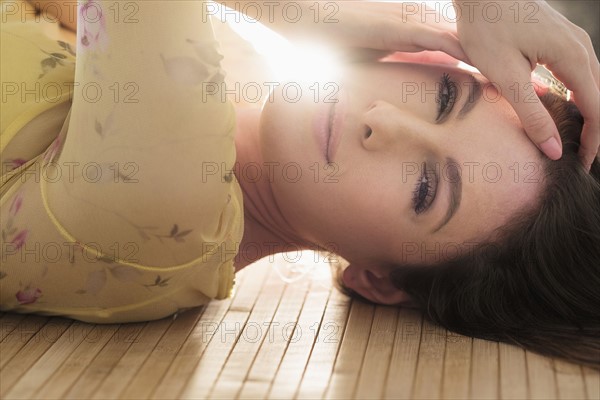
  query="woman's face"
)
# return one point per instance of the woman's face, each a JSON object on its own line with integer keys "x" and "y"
{"x": 405, "y": 184}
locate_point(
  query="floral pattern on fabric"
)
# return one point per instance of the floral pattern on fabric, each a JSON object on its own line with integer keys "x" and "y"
{"x": 19, "y": 236}
{"x": 28, "y": 295}
{"x": 93, "y": 26}
{"x": 193, "y": 71}
{"x": 55, "y": 58}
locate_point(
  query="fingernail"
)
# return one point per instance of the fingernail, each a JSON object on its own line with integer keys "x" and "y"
{"x": 551, "y": 148}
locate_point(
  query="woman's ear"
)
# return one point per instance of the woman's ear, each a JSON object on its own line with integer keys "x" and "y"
{"x": 374, "y": 286}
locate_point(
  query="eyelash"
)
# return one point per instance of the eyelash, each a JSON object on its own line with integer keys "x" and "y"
{"x": 446, "y": 96}
{"x": 425, "y": 191}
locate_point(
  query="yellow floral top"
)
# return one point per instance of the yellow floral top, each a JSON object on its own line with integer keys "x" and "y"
{"x": 118, "y": 202}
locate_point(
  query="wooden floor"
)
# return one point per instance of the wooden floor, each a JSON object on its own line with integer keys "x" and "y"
{"x": 286, "y": 333}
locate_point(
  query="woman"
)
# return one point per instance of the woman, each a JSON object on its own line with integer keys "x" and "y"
{"x": 461, "y": 221}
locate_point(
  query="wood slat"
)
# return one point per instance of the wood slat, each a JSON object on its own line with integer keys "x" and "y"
{"x": 50, "y": 362}
{"x": 405, "y": 355}
{"x": 373, "y": 375}
{"x": 192, "y": 350}
{"x": 322, "y": 359}
{"x": 133, "y": 359}
{"x": 21, "y": 333}
{"x": 430, "y": 363}
{"x": 569, "y": 380}
{"x": 352, "y": 351}
{"x": 93, "y": 376}
{"x": 592, "y": 382}
{"x": 254, "y": 276}
{"x": 268, "y": 359}
{"x": 485, "y": 382}
{"x": 153, "y": 370}
{"x": 9, "y": 323}
{"x": 226, "y": 335}
{"x": 513, "y": 372}
{"x": 255, "y": 331}
{"x": 540, "y": 375}
{"x": 302, "y": 338}
{"x": 457, "y": 366}
{"x": 90, "y": 342}
{"x": 34, "y": 348}
{"x": 206, "y": 372}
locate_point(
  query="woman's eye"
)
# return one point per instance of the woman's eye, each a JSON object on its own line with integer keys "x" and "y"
{"x": 424, "y": 193}
{"x": 446, "y": 97}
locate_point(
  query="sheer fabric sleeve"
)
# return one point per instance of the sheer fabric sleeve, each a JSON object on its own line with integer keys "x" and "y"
{"x": 137, "y": 191}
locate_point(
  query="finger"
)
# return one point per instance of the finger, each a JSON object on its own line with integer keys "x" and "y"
{"x": 594, "y": 67}
{"x": 353, "y": 55}
{"x": 439, "y": 40}
{"x": 587, "y": 99}
{"x": 513, "y": 76}
{"x": 589, "y": 147}
{"x": 589, "y": 46}
{"x": 594, "y": 64}
{"x": 425, "y": 56}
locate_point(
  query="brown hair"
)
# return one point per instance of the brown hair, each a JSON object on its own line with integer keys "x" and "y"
{"x": 540, "y": 287}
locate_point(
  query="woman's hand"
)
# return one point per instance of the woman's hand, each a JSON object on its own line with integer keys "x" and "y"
{"x": 508, "y": 49}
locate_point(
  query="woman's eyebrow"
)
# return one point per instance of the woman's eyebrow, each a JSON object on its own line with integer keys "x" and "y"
{"x": 472, "y": 98}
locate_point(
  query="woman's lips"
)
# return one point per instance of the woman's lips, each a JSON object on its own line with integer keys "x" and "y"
{"x": 327, "y": 125}
{"x": 321, "y": 127}
{"x": 335, "y": 129}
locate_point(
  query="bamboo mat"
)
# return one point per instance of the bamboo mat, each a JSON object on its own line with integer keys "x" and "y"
{"x": 275, "y": 339}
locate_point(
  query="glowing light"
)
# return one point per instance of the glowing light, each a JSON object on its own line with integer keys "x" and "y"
{"x": 306, "y": 62}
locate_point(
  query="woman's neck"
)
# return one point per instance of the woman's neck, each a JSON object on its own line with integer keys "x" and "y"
{"x": 266, "y": 232}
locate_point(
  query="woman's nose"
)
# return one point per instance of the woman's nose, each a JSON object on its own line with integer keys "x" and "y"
{"x": 388, "y": 126}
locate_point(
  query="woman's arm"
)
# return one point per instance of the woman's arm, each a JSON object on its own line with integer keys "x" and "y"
{"x": 142, "y": 106}
{"x": 376, "y": 29}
